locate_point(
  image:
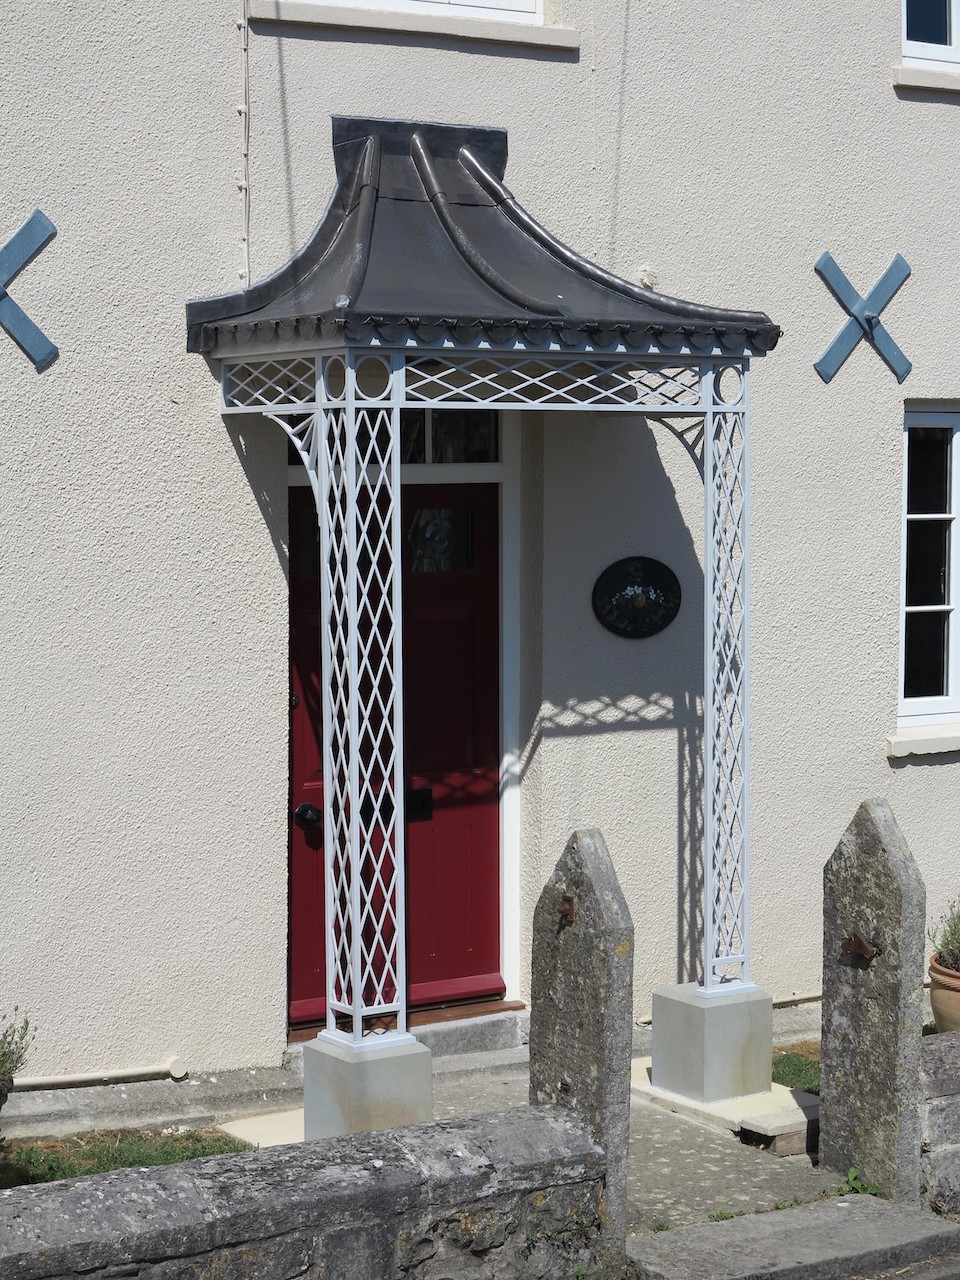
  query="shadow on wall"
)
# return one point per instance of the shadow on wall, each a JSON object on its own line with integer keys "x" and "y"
{"x": 261, "y": 447}
{"x": 608, "y": 495}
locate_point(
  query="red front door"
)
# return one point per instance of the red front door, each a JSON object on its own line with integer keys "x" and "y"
{"x": 307, "y": 939}
{"x": 451, "y": 640}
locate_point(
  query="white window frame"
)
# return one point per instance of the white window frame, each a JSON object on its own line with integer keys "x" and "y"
{"x": 932, "y": 56}
{"x": 943, "y": 709}
{"x": 502, "y": 10}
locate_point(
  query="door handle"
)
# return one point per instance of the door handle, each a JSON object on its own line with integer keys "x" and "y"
{"x": 307, "y": 816}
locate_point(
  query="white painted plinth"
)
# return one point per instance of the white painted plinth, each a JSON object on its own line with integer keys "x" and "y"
{"x": 351, "y": 1088}
{"x": 712, "y": 1047}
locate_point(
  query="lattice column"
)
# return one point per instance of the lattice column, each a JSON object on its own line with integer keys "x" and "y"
{"x": 359, "y": 511}
{"x": 726, "y": 687}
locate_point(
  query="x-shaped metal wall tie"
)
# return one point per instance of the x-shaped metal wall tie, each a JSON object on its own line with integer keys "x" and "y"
{"x": 864, "y": 316}
{"x": 18, "y": 252}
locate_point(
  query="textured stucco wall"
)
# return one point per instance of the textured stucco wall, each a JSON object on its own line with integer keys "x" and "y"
{"x": 750, "y": 142}
{"x": 142, "y": 636}
{"x": 143, "y": 639}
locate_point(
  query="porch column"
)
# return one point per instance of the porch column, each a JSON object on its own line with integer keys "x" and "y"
{"x": 726, "y": 686}
{"x": 712, "y": 1041}
{"x": 364, "y": 1071}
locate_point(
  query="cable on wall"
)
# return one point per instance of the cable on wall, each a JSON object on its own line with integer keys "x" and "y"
{"x": 243, "y": 109}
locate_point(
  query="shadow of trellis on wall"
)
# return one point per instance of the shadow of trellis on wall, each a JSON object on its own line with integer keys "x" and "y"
{"x": 683, "y": 714}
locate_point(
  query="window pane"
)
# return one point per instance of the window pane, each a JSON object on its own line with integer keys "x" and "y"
{"x": 925, "y": 655}
{"x": 928, "y": 21}
{"x": 928, "y": 470}
{"x": 413, "y": 435}
{"x": 467, "y": 435}
{"x": 928, "y": 547}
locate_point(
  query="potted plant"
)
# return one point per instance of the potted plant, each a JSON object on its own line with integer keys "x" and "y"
{"x": 945, "y": 969}
{"x": 15, "y": 1041}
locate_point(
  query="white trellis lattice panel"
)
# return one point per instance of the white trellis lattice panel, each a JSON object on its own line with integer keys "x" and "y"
{"x": 363, "y": 775}
{"x": 725, "y": 737}
{"x": 457, "y": 382}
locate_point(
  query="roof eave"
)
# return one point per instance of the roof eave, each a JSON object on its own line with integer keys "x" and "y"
{"x": 225, "y": 338}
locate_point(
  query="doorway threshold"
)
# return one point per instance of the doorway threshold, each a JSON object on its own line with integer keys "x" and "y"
{"x": 468, "y": 1027}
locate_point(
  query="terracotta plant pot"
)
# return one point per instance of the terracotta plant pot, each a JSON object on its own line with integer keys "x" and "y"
{"x": 944, "y": 996}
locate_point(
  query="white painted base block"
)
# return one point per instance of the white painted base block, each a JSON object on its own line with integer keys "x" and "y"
{"x": 711, "y": 1047}
{"x": 354, "y": 1090}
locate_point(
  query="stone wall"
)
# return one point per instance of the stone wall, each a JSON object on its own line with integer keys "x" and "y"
{"x": 511, "y": 1195}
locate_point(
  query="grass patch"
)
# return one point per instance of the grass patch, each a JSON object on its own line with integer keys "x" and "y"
{"x": 50, "y": 1159}
{"x": 798, "y": 1066}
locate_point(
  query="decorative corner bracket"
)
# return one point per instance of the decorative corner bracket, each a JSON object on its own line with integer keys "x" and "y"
{"x": 864, "y": 313}
{"x": 19, "y": 251}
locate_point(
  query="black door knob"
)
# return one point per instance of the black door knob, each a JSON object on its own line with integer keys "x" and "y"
{"x": 307, "y": 816}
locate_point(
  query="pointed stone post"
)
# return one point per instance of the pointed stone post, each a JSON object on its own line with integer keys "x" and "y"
{"x": 874, "y": 914}
{"x": 581, "y": 1017}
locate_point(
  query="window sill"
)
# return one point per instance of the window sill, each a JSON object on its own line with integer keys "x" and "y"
{"x": 321, "y": 15}
{"x": 922, "y": 740}
{"x": 908, "y": 77}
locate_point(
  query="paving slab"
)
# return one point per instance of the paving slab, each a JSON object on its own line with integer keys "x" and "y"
{"x": 682, "y": 1171}
{"x": 273, "y": 1129}
{"x": 777, "y": 1111}
{"x": 505, "y": 1083}
{"x": 857, "y": 1236}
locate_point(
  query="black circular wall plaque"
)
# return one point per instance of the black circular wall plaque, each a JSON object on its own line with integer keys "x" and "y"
{"x": 636, "y": 597}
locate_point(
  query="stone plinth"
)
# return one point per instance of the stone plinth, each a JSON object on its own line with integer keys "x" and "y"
{"x": 711, "y": 1047}
{"x": 874, "y": 910}
{"x": 581, "y": 1014}
{"x": 351, "y": 1088}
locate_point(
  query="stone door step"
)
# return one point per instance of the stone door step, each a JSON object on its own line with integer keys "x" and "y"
{"x": 832, "y": 1240}
{"x": 785, "y": 1120}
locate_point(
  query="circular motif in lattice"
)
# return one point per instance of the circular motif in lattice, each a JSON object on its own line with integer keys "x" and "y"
{"x": 373, "y": 378}
{"x": 728, "y": 385}
{"x": 334, "y": 378}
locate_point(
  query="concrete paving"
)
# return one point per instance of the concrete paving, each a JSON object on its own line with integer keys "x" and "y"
{"x": 272, "y": 1129}
{"x": 858, "y": 1236}
{"x": 681, "y": 1171}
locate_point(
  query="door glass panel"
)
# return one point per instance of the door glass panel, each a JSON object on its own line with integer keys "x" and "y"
{"x": 925, "y": 655}
{"x": 440, "y": 540}
{"x": 928, "y": 470}
{"x": 467, "y": 435}
{"x": 928, "y": 21}
{"x": 928, "y": 543}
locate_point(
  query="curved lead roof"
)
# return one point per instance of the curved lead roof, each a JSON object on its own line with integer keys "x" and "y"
{"x": 421, "y": 240}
